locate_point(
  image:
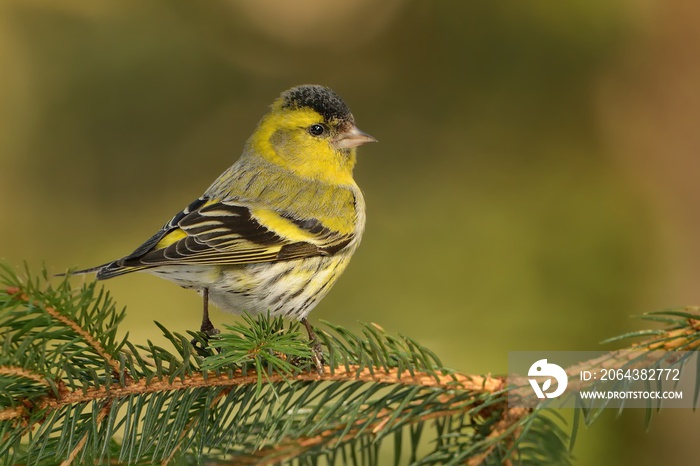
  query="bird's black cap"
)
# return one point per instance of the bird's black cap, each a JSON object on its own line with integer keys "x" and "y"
{"x": 319, "y": 98}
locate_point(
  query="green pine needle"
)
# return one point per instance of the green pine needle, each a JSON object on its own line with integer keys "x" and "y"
{"x": 74, "y": 389}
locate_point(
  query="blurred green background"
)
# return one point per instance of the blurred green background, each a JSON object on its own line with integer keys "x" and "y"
{"x": 535, "y": 183}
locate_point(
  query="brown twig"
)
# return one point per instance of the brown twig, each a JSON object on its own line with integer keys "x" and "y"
{"x": 13, "y": 413}
{"x": 477, "y": 384}
{"x": 23, "y": 373}
{"x": 89, "y": 339}
{"x": 17, "y": 293}
{"x": 212, "y": 379}
{"x": 642, "y": 354}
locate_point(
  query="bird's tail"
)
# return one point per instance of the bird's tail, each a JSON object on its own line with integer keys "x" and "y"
{"x": 104, "y": 271}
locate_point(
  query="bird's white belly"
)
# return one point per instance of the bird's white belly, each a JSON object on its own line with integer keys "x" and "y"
{"x": 287, "y": 288}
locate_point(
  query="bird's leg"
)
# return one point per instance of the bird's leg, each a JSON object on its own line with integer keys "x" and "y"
{"x": 315, "y": 347}
{"x": 207, "y": 327}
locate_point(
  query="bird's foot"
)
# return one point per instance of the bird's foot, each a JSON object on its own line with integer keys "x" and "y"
{"x": 209, "y": 331}
{"x": 316, "y": 348}
{"x": 317, "y": 356}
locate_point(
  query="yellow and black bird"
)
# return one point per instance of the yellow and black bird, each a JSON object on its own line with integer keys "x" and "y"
{"x": 275, "y": 231}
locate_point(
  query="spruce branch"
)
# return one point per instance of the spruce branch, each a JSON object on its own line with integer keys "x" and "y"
{"x": 72, "y": 390}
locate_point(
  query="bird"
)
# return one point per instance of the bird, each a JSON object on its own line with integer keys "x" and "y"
{"x": 274, "y": 231}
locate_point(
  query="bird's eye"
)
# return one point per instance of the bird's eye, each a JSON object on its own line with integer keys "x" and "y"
{"x": 317, "y": 130}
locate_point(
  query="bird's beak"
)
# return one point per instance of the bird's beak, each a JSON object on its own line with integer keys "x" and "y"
{"x": 352, "y": 138}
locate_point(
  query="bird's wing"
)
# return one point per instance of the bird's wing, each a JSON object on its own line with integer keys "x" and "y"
{"x": 229, "y": 232}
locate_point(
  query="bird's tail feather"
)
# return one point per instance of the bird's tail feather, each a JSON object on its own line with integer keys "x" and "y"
{"x": 104, "y": 271}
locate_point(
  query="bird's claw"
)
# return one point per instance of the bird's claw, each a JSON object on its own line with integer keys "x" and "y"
{"x": 317, "y": 357}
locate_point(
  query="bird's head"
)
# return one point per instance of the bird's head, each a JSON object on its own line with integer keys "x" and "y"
{"x": 311, "y": 132}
